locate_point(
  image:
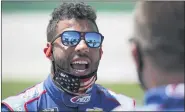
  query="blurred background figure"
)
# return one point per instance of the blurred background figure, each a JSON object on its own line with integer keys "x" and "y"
{"x": 23, "y": 33}
{"x": 158, "y": 51}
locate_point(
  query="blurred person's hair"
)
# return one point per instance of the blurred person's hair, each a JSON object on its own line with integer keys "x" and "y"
{"x": 68, "y": 11}
{"x": 159, "y": 27}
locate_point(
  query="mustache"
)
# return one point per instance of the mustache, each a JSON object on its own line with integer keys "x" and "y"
{"x": 78, "y": 54}
{"x": 81, "y": 55}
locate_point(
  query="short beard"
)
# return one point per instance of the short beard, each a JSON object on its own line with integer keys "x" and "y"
{"x": 95, "y": 67}
{"x": 62, "y": 63}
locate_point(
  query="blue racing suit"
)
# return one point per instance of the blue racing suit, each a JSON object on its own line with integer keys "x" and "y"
{"x": 46, "y": 96}
{"x": 164, "y": 98}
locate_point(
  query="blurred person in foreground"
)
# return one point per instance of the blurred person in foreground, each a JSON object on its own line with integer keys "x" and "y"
{"x": 74, "y": 48}
{"x": 158, "y": 51}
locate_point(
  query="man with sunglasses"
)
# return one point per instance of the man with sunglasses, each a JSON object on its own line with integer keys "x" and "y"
{"x": 74, "y": 48}
{"x": 158, "y": 50}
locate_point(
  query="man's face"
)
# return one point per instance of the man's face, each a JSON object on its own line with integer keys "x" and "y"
{"x": 79, "y": 60}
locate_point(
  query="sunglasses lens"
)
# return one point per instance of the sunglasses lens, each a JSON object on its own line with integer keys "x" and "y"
{"x": 70, "y": 38}
{"x": 94, "y": 40}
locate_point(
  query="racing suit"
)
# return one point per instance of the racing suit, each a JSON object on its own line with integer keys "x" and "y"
{"x": 164, "y": 98}
{"x": 46, "y": 96}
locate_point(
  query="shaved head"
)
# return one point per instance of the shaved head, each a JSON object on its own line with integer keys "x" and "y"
{"x": 159, "y": 28}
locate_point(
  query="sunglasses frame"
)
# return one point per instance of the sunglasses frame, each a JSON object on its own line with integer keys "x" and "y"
{"x": 82, "y": 37}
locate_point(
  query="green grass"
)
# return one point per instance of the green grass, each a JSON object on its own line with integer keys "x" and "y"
{"x": 132, "y": 90}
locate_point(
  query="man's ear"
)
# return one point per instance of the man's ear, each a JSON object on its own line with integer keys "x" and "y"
{"x": 135, "y": 55}
{"x": 47, "y": 50}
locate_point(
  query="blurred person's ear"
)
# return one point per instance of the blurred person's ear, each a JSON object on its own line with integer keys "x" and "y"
{"x": 47, "y": 50}
{"x": 134, "y": 52}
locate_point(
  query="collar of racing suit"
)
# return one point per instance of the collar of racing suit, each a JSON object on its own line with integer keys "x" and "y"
{"x": 64, "y": 97}
{"x": 169, "y": 97}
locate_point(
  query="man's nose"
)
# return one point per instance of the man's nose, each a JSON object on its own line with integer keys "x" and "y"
{"x": 82, "y": 47}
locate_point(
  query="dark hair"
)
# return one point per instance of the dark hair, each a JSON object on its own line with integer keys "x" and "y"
{"x": 68, "y": 11}
{"x": 159, "y": 27}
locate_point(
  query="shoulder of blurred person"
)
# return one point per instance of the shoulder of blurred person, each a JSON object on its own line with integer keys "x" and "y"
{"x": 164, "y": 98}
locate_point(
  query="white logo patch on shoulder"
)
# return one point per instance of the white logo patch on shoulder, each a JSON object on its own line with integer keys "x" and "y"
{"x": 81, "y": 99}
